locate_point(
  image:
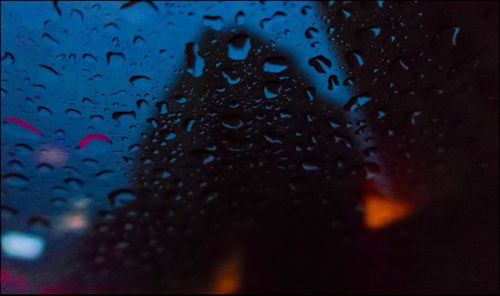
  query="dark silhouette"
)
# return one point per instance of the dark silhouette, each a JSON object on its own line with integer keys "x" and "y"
{"x": 272, "y": 179}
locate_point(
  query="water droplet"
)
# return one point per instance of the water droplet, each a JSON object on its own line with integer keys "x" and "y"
{"x": 44, "y": 168}
{"x": 78, "y": 12}
{"x": 181, "y": 99}
{"x": 311, "y": 33}
{"x": 189, "y": 123}
{"x": 203, "y": 156}
{"x": 39, "y": 87}
{"x": 275, "y": 65}
{"x": 272, "y": 89}
{"x": 332, "y": 80}
{"x": 15, "y": 180}
{"x": 23, "y": 150}
{"x": 310, "y": 93}
{"x": 372, "y": 169}
{"x": 375, "y": 30}
{"x": 320, "y": 63}
{"x": 110, "y": 55}
{"x": 170, "y": 136}
{"x": 73, "y": 113}
{"x": 138, "y": 40}
{"x": 121, "y": 197}
{"x": 346, "y": 13}
{"x": 16, "y": 165}
{"x": 134, "y": 148}
{"x": 73, "y": 184}
{"x": 348, "y": 82}
{"x": 278, "y": 16}
{"x": 104, "y": 175}
{"x": 333, "y": 123}
{"x": 162, "y": 108}
{"x": 96, "y": 118}
{"x": 239, "y": 19}
{"x": 7, "y": 212}
{"x": 413, "y": 117}
{"x": 231, "y": 76}
{"x": 370, "y": 152}
{"x": 125, "y": 118}
{"x": 403, "y": 65}
{"x": 195, "y": 62}
{"x": 356, "y": 102}
{"x": 50, "y": 39}
{"x": 44, "y": 111}
{"x": 111, "y": 27}
{"x": 339, "y": 138}
{"x": 310, "y": 166}
{"x": 49, "y": 69}
{"x": 135, "y": 78}
{"x": 163, "y": 173}
{"x": 456, "y": 31}
{"x": 152, "y": 122}
{"x": 305, "y": 9}
{"x": 237, "y": 144}
{"x": 89, "y": 57}
{"x": 214, "y": 22}
{"x": 232, "y": 122}
{"x": 38, "y": 224}
{"x": 355, "y": 59}
{"x": 129, "y": 4}
{"x": 9, "y": 55}
{"x": 273, "y": 139}
{"x": 238, "y": 47}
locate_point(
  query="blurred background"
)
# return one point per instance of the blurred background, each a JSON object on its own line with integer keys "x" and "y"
{"x": 249, "y": 146}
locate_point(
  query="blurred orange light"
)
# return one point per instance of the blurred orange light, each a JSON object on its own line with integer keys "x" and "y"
{"x": 74, "y": 222}
{"x": 381, "y": 211}
{"x": 228, "y": 277}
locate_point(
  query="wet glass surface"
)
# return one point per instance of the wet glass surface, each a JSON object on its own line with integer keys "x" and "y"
{"x": 224, "y": 147}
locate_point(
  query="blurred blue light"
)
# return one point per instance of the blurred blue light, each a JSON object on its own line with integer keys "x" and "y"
{"x": 22, "y": 245}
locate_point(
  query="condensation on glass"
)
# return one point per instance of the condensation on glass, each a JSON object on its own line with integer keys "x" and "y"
{"x": 249, "y": 146}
